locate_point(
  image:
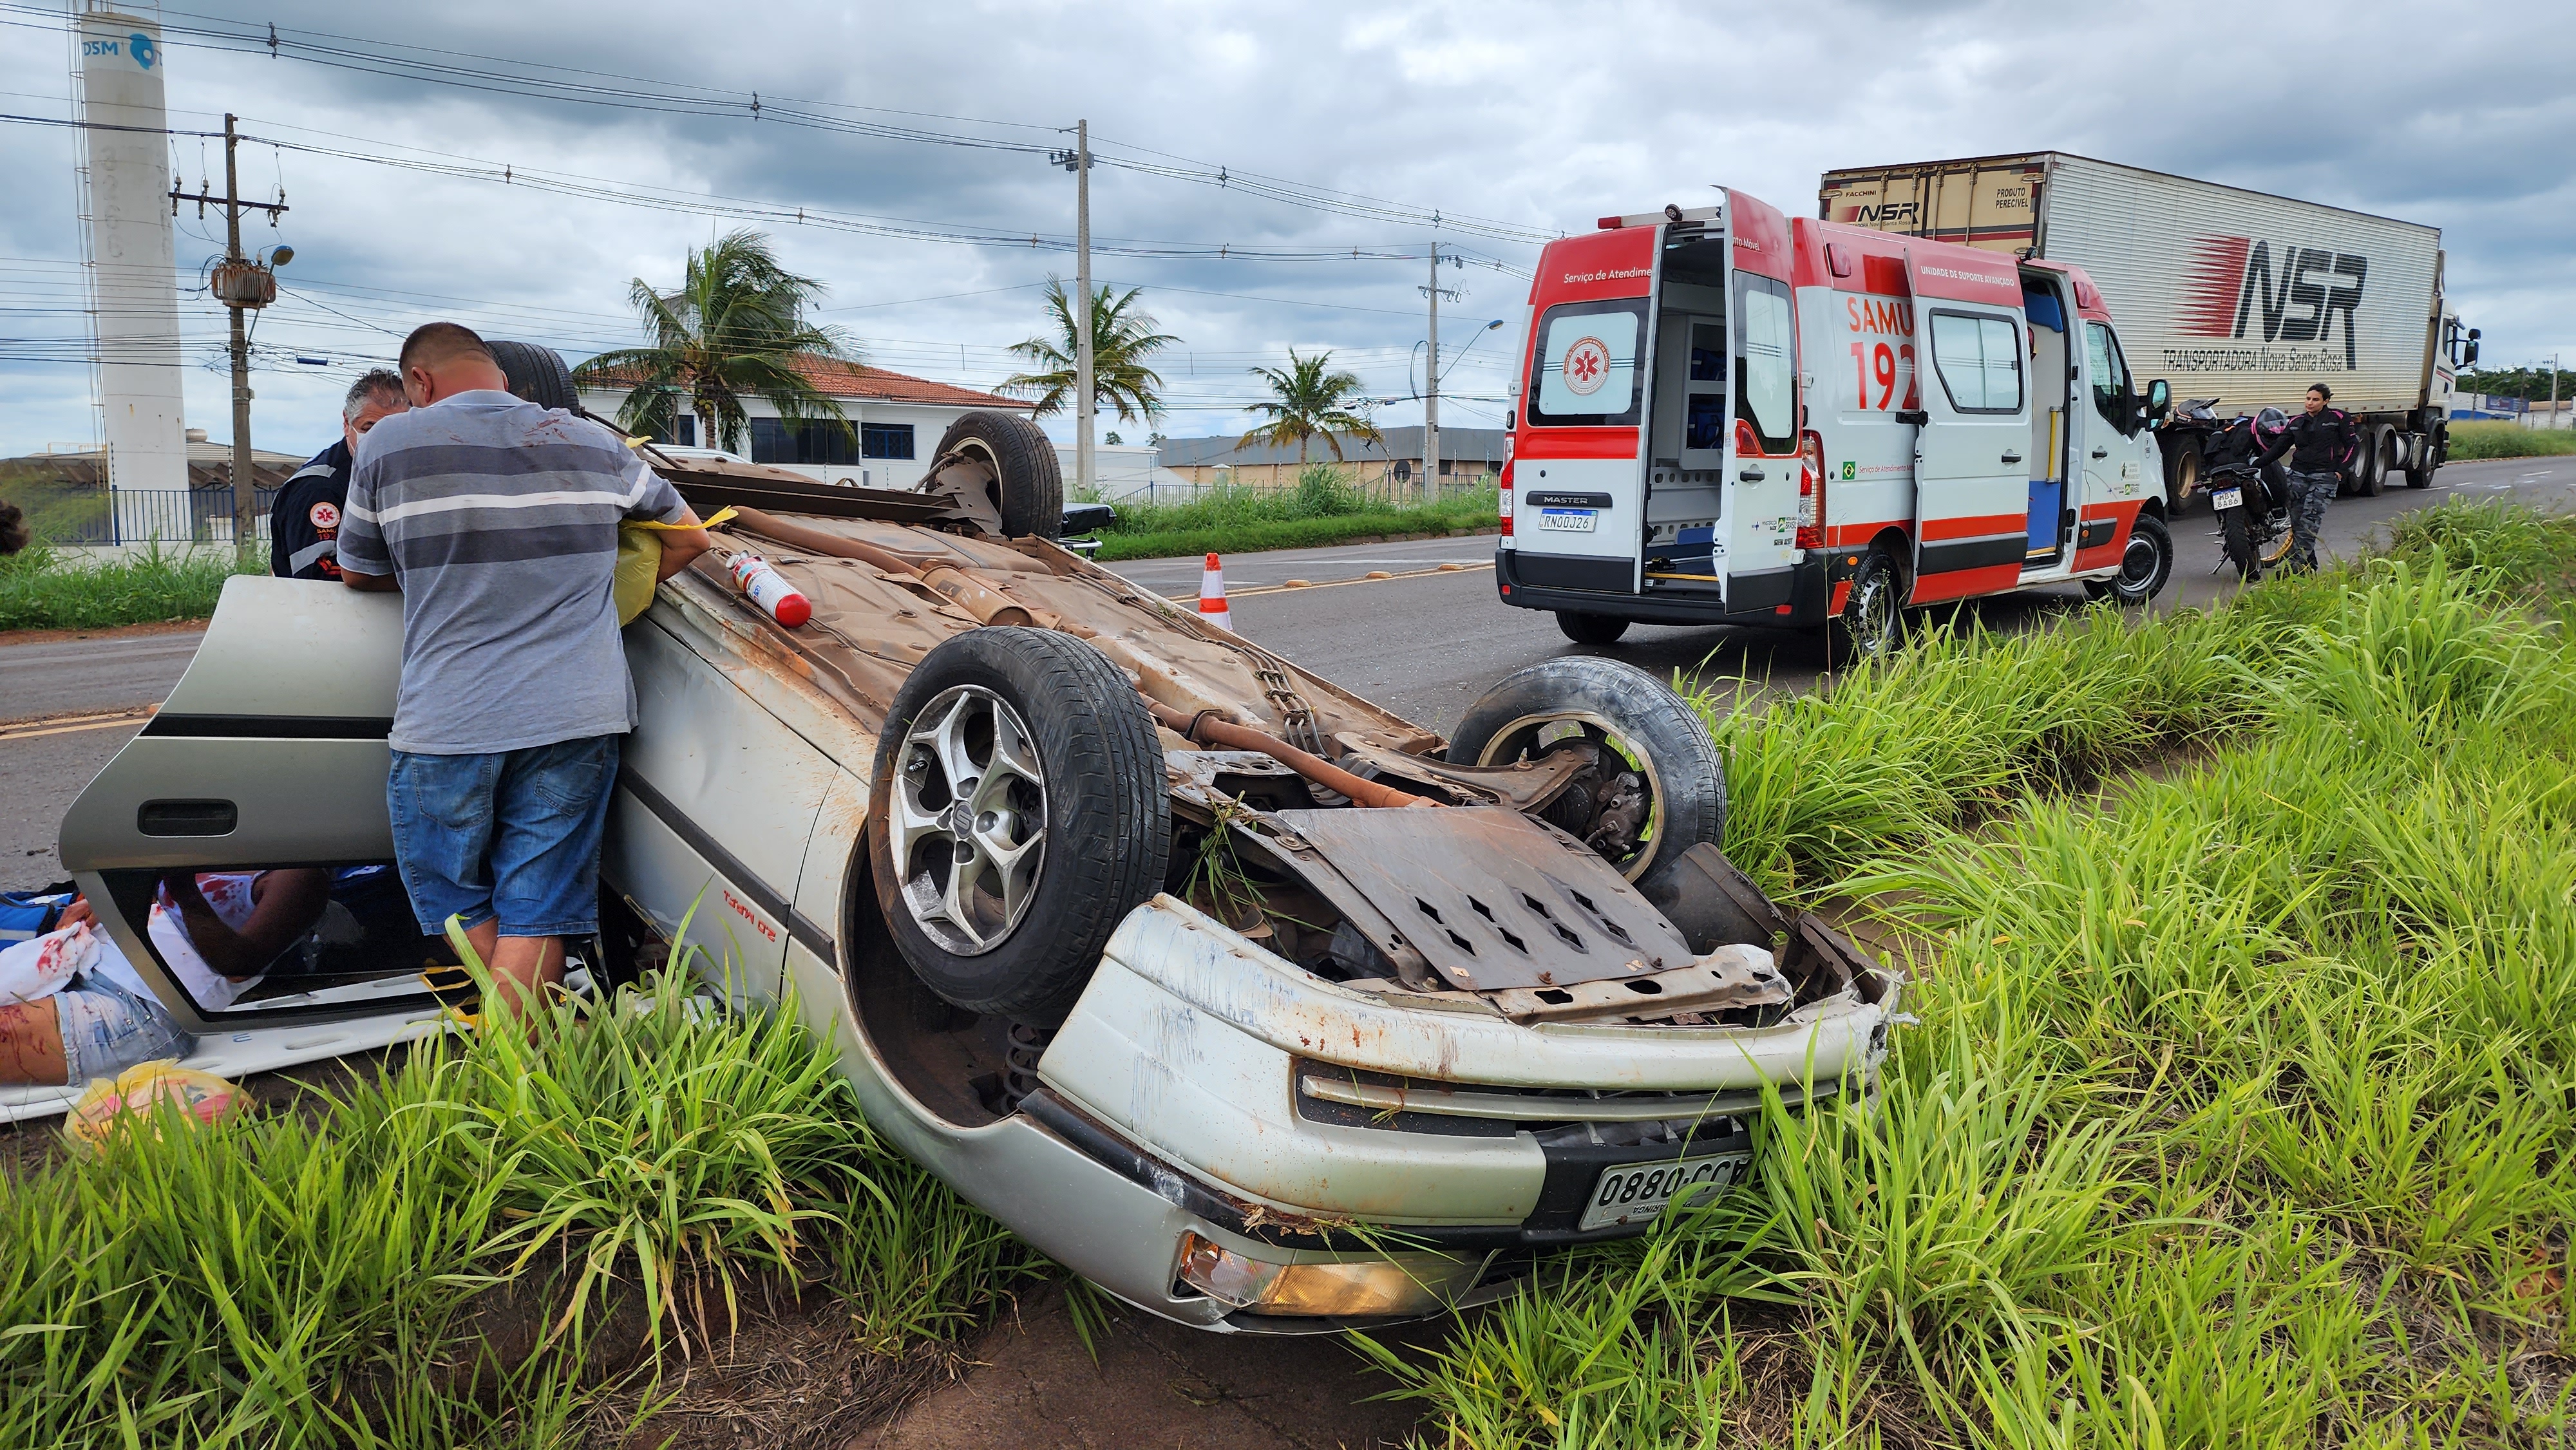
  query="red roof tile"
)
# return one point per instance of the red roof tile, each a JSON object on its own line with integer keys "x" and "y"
{"x": 848, "y": 380}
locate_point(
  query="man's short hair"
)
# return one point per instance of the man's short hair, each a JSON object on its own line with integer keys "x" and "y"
{"x": 2321, "y": 390}
{"x": 434, "y": 343}
{"x": 377, "y": 385}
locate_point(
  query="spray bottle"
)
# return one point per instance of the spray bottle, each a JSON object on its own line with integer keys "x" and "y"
{"x": 769, "y": 589}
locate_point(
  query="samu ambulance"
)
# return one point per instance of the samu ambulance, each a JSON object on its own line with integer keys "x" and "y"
{"x": 1731, "y": 416}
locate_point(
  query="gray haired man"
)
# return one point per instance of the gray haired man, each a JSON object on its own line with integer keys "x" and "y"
{"x": 304, "y": 523}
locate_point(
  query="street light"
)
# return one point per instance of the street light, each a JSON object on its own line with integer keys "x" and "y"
{"x": 1453, "y": 362}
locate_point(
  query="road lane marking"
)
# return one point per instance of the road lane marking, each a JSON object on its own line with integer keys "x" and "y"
{"x": 67, "y": 725}
{"x": 1375, "y": 577}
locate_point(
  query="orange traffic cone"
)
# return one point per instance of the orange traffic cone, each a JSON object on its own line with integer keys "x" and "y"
{"x": 1212, "y": 608}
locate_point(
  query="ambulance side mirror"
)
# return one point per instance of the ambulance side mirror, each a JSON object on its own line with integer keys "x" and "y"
{"x": 2159, "y": 399}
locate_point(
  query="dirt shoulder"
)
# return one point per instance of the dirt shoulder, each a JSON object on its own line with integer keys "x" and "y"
{"x": 9, "y": 637}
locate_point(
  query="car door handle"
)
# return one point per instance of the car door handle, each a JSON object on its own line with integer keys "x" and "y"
{"x": 187, "y": 818}
{"x": 1751, "y": 475}
{"x": 1918, "y": 417}
{"x": 2101, "y": 452}
{"x": 2012, "y": 455}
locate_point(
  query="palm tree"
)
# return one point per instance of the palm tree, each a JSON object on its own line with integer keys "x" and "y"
{"x": 1121, "y": 341}
{"x": 736, "y": 329}
{"x": 1308, "y": 401}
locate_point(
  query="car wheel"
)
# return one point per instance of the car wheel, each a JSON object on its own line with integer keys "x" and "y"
{"x": 2145, "y": 564}
{"x": 536, "y": 373}
{"x": 1002, "y": 472}
{"x": 1018, "y": 814}
{"x": 1657, "y": 787}
{"x": 1872, "y": 623}
{"x": 1591, "y": 628}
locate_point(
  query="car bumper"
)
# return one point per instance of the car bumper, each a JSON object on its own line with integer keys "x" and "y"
{"x": 1797, "y": 597}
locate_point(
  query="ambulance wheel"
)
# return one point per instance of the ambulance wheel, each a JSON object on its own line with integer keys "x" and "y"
{"x": 2145, "y": 565}
{"x": 1018, "y": 815}
{"x": 1002, "y": 470}
{"x": 1872, "y": 623}
{"x": 1656, "y": 786}
{"x": 1591, "y": 628}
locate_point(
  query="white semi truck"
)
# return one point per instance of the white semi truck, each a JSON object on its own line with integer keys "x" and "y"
{"x": 2223, "y": 292}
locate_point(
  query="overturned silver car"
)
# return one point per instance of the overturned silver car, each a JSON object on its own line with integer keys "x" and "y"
{"x": 1256, "y": 1005}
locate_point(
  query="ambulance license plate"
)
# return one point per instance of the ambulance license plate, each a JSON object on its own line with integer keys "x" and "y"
{"x": 1572, "y": 521}
{"x": 2221, "y": 499}
{"x": 1637, "y": 1192}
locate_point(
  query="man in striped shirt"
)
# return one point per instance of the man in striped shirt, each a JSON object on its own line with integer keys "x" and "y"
{"x": 497, "y": 520}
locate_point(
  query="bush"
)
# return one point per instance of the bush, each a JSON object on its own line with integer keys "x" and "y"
{"x": 41, "y": 588}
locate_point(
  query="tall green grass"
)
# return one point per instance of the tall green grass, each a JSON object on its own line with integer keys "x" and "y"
{"x": 2242, "y": 1106}
{"x": 325, "y": 1280}
{"x": 2471, "y": 441}
{"x": 42, "y": 588}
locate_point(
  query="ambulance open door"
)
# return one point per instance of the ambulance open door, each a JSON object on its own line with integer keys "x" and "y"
{"x": 1972, "y": 458}
{"x": 1758, "y": 525}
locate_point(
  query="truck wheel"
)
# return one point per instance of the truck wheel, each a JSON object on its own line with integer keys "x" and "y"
{"x": 1658, "y": 788}
{"x": 1002, "y": 471}
{"x": 2420, "y": 473}
{"x": 1591, "y": 628}
{"x": 1018, "y": 814}
{"x": 2236, "y": 538}
{"x": 2370, "y": 471}
{"x": 2186, "y": 476}
{"x": 1872, "y": 623}
{"x": 2145, "y": 564}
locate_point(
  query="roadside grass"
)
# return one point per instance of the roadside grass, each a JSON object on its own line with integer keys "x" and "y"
{"x": 2471, "y": 441}
{"x": 285, "y": 1280}
{"x": 1325, "y": 507}
{"x": 2241, "y": 1109}
{"x": 42, "y": 588}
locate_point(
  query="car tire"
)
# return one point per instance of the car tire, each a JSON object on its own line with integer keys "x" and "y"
{"x": 1647, "y": 731}
{"x": 536, "y": 373}
{"x": 1081, "y": 754}
{"x": 1591, "y": 628}
{"x": 1023, "y": 482}
{"x": 1872, "y": 623}
{"x": 2146, "y": 564}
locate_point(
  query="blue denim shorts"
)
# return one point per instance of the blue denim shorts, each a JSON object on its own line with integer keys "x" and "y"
{"x": 514, "y": 835}
{"x": 107, "y": 1029}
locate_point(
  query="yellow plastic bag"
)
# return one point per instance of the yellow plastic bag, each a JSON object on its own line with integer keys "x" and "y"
{"x": 201, "y": 1096}
{"x": 639, "y": 562}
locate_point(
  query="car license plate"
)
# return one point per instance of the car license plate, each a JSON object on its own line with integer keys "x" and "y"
{"x": 1639, "y": 1191}
{"x": 1572, "y": 521}
{"x": 2226, "y": 498}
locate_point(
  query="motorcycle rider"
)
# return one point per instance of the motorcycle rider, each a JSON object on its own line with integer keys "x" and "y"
{"x": 2321, "y": 443}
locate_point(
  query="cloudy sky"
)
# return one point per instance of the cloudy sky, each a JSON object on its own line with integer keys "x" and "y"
{"x": 1522, "y": 117}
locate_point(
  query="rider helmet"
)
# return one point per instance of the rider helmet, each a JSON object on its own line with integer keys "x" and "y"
{"x": 2268, "y": 425}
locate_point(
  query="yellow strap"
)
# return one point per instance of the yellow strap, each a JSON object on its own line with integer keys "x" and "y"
{"x": 722, "y": 514}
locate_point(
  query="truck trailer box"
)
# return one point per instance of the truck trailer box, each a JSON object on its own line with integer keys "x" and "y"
{"x": 2224, "y": 292}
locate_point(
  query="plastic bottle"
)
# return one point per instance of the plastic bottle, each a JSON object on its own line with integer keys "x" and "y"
{"x": 770, "y": 590}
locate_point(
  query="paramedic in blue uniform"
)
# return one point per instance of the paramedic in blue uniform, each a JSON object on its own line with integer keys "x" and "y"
{"x": 2321, "y": 444}
{"x": 304, "y": 523}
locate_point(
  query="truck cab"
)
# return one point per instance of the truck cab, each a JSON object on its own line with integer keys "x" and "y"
{"x": 1727, "y": 415}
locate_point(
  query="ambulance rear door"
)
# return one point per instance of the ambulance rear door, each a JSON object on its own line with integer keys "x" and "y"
{"x": 1759, "y": 523}
{"x": 1972, "y": 444}
{"x": 1577, "y": 457}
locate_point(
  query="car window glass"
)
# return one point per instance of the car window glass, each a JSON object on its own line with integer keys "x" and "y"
{"x": 253, "y": 939}
{"x": 1979, "y": 361}
{"x": 2110, "y": 374}
{"x": 1765, "y": 377}
{"x": 1585, "y": 372}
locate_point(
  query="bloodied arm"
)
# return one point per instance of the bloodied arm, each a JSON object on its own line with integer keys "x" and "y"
{"x": 284, "y": 906}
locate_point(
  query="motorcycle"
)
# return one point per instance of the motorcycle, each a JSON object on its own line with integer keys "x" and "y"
{"x": 2251, "y": 498}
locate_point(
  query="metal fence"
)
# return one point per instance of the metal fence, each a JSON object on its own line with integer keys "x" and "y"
{"x": 111, "y": 516}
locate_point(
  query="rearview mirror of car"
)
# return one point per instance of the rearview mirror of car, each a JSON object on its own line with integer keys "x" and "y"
{"x": 2159, "y": 398}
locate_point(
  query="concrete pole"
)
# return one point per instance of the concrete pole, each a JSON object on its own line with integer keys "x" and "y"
{"x": 1431, "y": 392}
{"x": 1083, "y": 473}
{"x": 245, "y": 485}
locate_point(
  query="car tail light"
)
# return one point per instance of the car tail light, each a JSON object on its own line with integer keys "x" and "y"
{"x": 1367, "y": 1287}
{"x": 1811, "y": 490}
{"x": 1504, "y": 504}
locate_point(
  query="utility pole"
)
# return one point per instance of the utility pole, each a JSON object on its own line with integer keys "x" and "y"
{"x": 1431, "y": 388}
{"x": 1082, "y": 463}
{"x": 242, "y": 286}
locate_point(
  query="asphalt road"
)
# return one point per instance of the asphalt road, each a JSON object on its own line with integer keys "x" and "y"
{"x": 1423, "y": 642}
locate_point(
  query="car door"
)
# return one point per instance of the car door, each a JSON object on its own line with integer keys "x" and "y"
{"x": 1761, "y": 468}
{"x": 260, "y": 783}
{"x": 1971, "y": 469}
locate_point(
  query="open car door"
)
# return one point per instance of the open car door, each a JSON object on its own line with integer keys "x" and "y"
{"x": 1972, "y": 468}
{"x": 1761, "y": 468}
{"x": 260, "y": 786}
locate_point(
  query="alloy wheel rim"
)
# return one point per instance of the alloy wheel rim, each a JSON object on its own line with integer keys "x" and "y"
{"x": 968, "y": 813}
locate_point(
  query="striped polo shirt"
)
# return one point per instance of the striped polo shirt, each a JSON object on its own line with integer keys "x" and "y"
{"x": 499, "y": 520}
